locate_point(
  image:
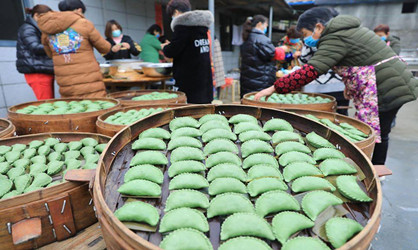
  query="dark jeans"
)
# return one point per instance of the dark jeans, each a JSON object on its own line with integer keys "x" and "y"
{"x": 381, "y": 149}
{"x": 341, "y": 101}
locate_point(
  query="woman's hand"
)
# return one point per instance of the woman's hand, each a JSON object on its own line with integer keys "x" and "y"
{"x": 116, "y": 48}
{"x": 346, "y": 95}
{"x": 165, "y": 44}
{"x": 265, "y": 92}
{"x": 126, "y": 45}
{"x": 297, "y": 54}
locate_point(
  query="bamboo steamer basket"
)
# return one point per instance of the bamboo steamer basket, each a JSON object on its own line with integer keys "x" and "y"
{"x": 330, "y": 106}
{"x": 44, "y": 216}
{"x": 108, "y": 174}
{"x": 7, "y": 128}
{"x": 125, "y": 97}
{"x": 112, "y": 129}
{"x": 366, "y": 145}
{"x": 79, "y": 122}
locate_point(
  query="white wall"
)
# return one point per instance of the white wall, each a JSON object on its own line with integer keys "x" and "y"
{"x": 135, "y": 16}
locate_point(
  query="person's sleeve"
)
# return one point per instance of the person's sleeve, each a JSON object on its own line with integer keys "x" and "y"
{"x": 45, "y": 43}
{"x": 329, "y": 53}
{"x": 156, "y": 44}
{"x": 30, "y": 40}
{"x": 296, "y": 80}
{"x": 134, "y": 49}
{"x": 97, "y": 40}
{"x": 109, "y": 56}
{"x": 396, "y": 46}
{"x": 176, "y": 46}
{"x": 266, "y": 50}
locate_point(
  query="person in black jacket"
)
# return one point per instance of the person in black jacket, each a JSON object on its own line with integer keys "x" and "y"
{"x": 258, "y": 70}
{"x": 31, "y": 56}
{"x": 122, "y": 45}
{"x": 190, "y": 50}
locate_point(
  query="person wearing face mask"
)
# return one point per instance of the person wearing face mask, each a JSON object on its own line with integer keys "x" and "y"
{"x": 375, "y": 78}
{"x": 151, "y": 45}
{"x": 31, "y": 57}
{"x": 394, "y": 42}
{"x": 69, "y": 39}
{"x": 122, "y": 45}
{"x": 293, "y": 44}
{"x": 258, "y": 69}
{"x": 190, "y": 48}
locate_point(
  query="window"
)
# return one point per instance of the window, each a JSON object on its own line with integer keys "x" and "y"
{"x": 409, "y": 7}
{"x": 11, "y": 18}
{"x": 225, "y": 32}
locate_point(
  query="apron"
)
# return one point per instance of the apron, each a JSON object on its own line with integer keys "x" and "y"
{"x": 360, "y": 84}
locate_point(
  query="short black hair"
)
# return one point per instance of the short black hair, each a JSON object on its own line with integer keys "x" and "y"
{"x": 180, "y": 5}
{"x": 311, "y": 17}
{"x": 70, "y": 5}
{"x": 154, "y": 27}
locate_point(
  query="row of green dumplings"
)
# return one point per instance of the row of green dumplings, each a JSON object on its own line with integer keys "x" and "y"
{"x": 65, "y": 107}
{"x": 225, "y": 177}
{"x": 25, "y": 168}
{"x": 290, "y": 98}
{"x": 155, "y": 96}
{"x": 131, "y": 116}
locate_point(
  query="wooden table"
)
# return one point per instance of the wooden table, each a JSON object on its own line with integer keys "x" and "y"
{"x": 141, "y": 81}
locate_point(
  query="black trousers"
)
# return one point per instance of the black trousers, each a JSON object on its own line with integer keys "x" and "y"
{"x": 381, "y": 149}
{"x": 341, "y": 101}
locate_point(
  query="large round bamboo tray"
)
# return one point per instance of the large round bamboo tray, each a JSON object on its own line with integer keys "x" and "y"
{"x": 118, "y": 154}
{"x": 7, "y": 129}
{"x": 66, "y": 204}
{"x": 125, "y": 97}
{"x": 79, "y": 122}
{"x": 330, "y": 106}
{"x": 112, "y": 129}
{"x": 367, "y": 145}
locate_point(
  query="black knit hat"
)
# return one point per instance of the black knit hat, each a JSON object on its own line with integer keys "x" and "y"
{"x": 311, "y": 17}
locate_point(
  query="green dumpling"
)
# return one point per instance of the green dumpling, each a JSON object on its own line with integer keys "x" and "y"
{"x": 305, "y": 243}
{"x": 37, "y": 168}
{"x": 29, "y": 153}
{"x": 24, "y": 163}
{"x": 215, "y": 124}
{"x": 212, "y": 117}
{"x": 220, "y": 145}
{"x": 254, "y": 135}
{"x": 89, "y": 142}
{"x": 35, "y": 144}
{"x": 274, "y": 202}
{"x": 244, "y": 243}
{"x": 73, "y": 164}
{"x": 12, "y": 156}
{"x": 155, "y": 133}
{"x": 242, "y": 118}
{"x": 218, "y": 134}
{"x": 182, "y": 122}
{"x": 54, "y": 167}
{"x": 22, "y": 182}
{"x": 299, "y": 169}
{"x": 15, "y": 172}
{"x": 149, "y": 143}
{"x": 31, "y": 188}
{"x": 75, "y": 145}
{"x": 246, "y": 126}
{"x": 292, "y": 157}
{"x": 72, "y": 155}
{"x": 257, "y": 159}
{"x": 39, "y": 159}
{"x": 181, "y": 167}
{"x": 4, "y": 167}
{"x": 5, "y": 186}
{"x": 186, "y": 153}
{"x": 327, "y": 153}
{"x": 100, "y": 148}
{"x": 149, "y": 157}
{"x": 341, "y": 230}
{"x": 4, "y": 149}
{"x": 90, "y": 165}
{"x": 315, "y": 202}
{"x": 138, "y": 211}
{"x": 221, "y": 158}
{"x": 277, "y": 125}
{"x": 41, "y": 180}
{"x": 311, "y": 183}
{"x": 336, "y": 167}
{"x": 255, "y": 146}
{"x": 285, "y": 224}
{"x": 92, "y": 158}
{"x": 226, "y": 185}
{"x": 10, "y": 194}
{"x": 186, "y": 131}
{"x": 318, "y": 141}
{"x": 262, "y": 185}
{"x": 186, "y": 198}
{"x": 184, "y": 218}
{"x": 188, "y": 181}
{"x": 261, "y": 171}
{"x": 54, "y": 156}
{"x": 18, "y": 147}
{"x": 195, "y": 240}
{"x": 87, "y": 150}
{"x": 140, "y": 188}
{"x": 50, "y": 142}
{"x": 347, "y": 185}
{"x": 246, "y": 224}
{"x": 289, "y": 146}
{"x": 184, "y": 141}
{"x": 226, "y": 170}
{"x": 60, "y": 147}
{"x": 44, "y": 150}
{"x": 144, "y": 172}
{"x": 282, "y": 136}
{"x": 229, "y": 203}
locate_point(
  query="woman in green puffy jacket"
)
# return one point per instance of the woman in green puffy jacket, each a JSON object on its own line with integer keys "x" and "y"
{"x": 376, "y": 79}
{"x": 151, "y": 45}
